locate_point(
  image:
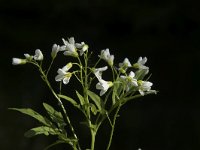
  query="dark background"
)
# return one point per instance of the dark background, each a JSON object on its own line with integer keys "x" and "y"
{"x": 167, "y": 32}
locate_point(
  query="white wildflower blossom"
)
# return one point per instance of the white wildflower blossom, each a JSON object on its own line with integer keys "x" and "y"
{"x": 105, "y": 55}
{"x": 38, "y": 55}
{"x": 141, "y": 63}
{"x": 98, "y": 72}
{"x": 18, "y": 61}
{"x": 125, "y": 64}
{"x": 69, "y": 47}
{"x": 103, "y": 86}
{"x": 82, "y": 47}
{"x": 28, "y": 57}
{"x": 63, "y": 74}
{"x": 131, "y": 81}
{"x": 145, "y": 86}
{"x": 55, "y": 49}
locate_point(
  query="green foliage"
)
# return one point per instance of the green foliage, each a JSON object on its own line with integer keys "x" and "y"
{"x": 97, "y": 101}
{"x": 124, "y": 86}
{"x": 41, "y": 130}
{"x": 55, "y": 116}
{"x": 81, "y": 98}
{"x": 69, "y": 99}
{"x": 35, "y": 115}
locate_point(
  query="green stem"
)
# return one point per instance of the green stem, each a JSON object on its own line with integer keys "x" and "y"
{"x": 113, "y": 127}
{"x": 93, "y": 136}
{"x": 49, "y": 67}
{"x": 60, "y": 102}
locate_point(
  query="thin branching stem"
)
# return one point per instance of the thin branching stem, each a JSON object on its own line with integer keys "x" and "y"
{"x": 113, "y": 127}
{"x": 44, "y": 77}
{"x": 49, "y": 67}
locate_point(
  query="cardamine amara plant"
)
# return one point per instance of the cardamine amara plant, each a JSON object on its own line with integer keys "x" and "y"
{"x": 97, "y": 103}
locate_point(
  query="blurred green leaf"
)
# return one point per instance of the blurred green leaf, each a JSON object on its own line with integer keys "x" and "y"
{"x": 117, "y": 88}
{"x": 140, "y": 74}
{"x": 41, "y": 130}
{"x": 96, "y": 99}
{"x": 80, "y": 97}
{"x": 93, "y": 109}
{"x": 55, "y": 115}
{"x": 69, "y": 99}
{"x": 34, "y": 114}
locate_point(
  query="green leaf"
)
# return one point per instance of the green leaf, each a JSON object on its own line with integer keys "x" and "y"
{"x": 96, "y": 99}
{"x": 125, "y": 100}
{"x": 80, "y": 97}
{"x": 34, "y": 114}
{"x": 115, "y": 93}
{"x": 93, "y": 109}
{"x": 41, "y": 130}
{"x": 140, "y": 74}
{"x": 55, "y": 115}
{"x": 69, "y": 99}
{"x": 113, "y": 96}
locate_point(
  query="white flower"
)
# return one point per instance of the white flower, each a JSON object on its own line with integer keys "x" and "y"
{"x": 103, "y": 86}
{"x": 131, "y": 81}
{"x": 144, "y": 86}
{"x": 105, "y": 55}
{"x": 38, "y": 55}
{"x": 82, "y": 47}
{"x": 18, "y": 61}
{"x": 69, "y": 47}
{"x": 98, "y": 72}
{"x": 28, "y": 57}
{"x": 63, "y": 75}
{"x": 55, "y": 49}
{"x": 140, "y": 63}
{"x": 125, "y": 64}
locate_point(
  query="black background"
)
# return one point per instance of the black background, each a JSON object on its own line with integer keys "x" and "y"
{"x": 167, "y": 32}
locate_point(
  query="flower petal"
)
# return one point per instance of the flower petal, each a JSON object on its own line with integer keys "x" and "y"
{"x": 38, "y": 55}
{"x": 66, "y": 80}
{"x": 59, "y": 77}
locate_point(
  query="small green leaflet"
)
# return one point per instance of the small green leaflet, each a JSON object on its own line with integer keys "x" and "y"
{"x": 54, "y": 115}
{"x": 116, "y": 92}
{"x": 140, "y": 74}
{"x": 80, "y": 97}
{"x": 41, "y": 130}
{"x": 93, "y": 109}
{"x": 69, "y": 99}
{"x": 96, "y": 99}
{"x": 34, "y": 114}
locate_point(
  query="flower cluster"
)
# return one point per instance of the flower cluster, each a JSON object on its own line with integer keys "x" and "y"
{"x": 129, "y": 80}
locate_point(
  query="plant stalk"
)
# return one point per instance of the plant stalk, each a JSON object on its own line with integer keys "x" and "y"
{"x": 61, "y": 104}
{"x": 93, "y": 136}
{"x": 113, "y": 127}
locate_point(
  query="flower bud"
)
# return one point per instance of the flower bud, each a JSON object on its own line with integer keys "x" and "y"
{"x": 55, "y": 50}
{"x": 18, "y": 61}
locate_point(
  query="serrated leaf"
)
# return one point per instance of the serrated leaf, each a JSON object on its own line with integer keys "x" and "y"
{"x": 34, "y": 114}
{"x": 55, "y": 115}
{"x": 41, "y": 130}
{"x": 69, "y": 99}
{"x": 96, "y": 99}
{"x": 80, "y": 97}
